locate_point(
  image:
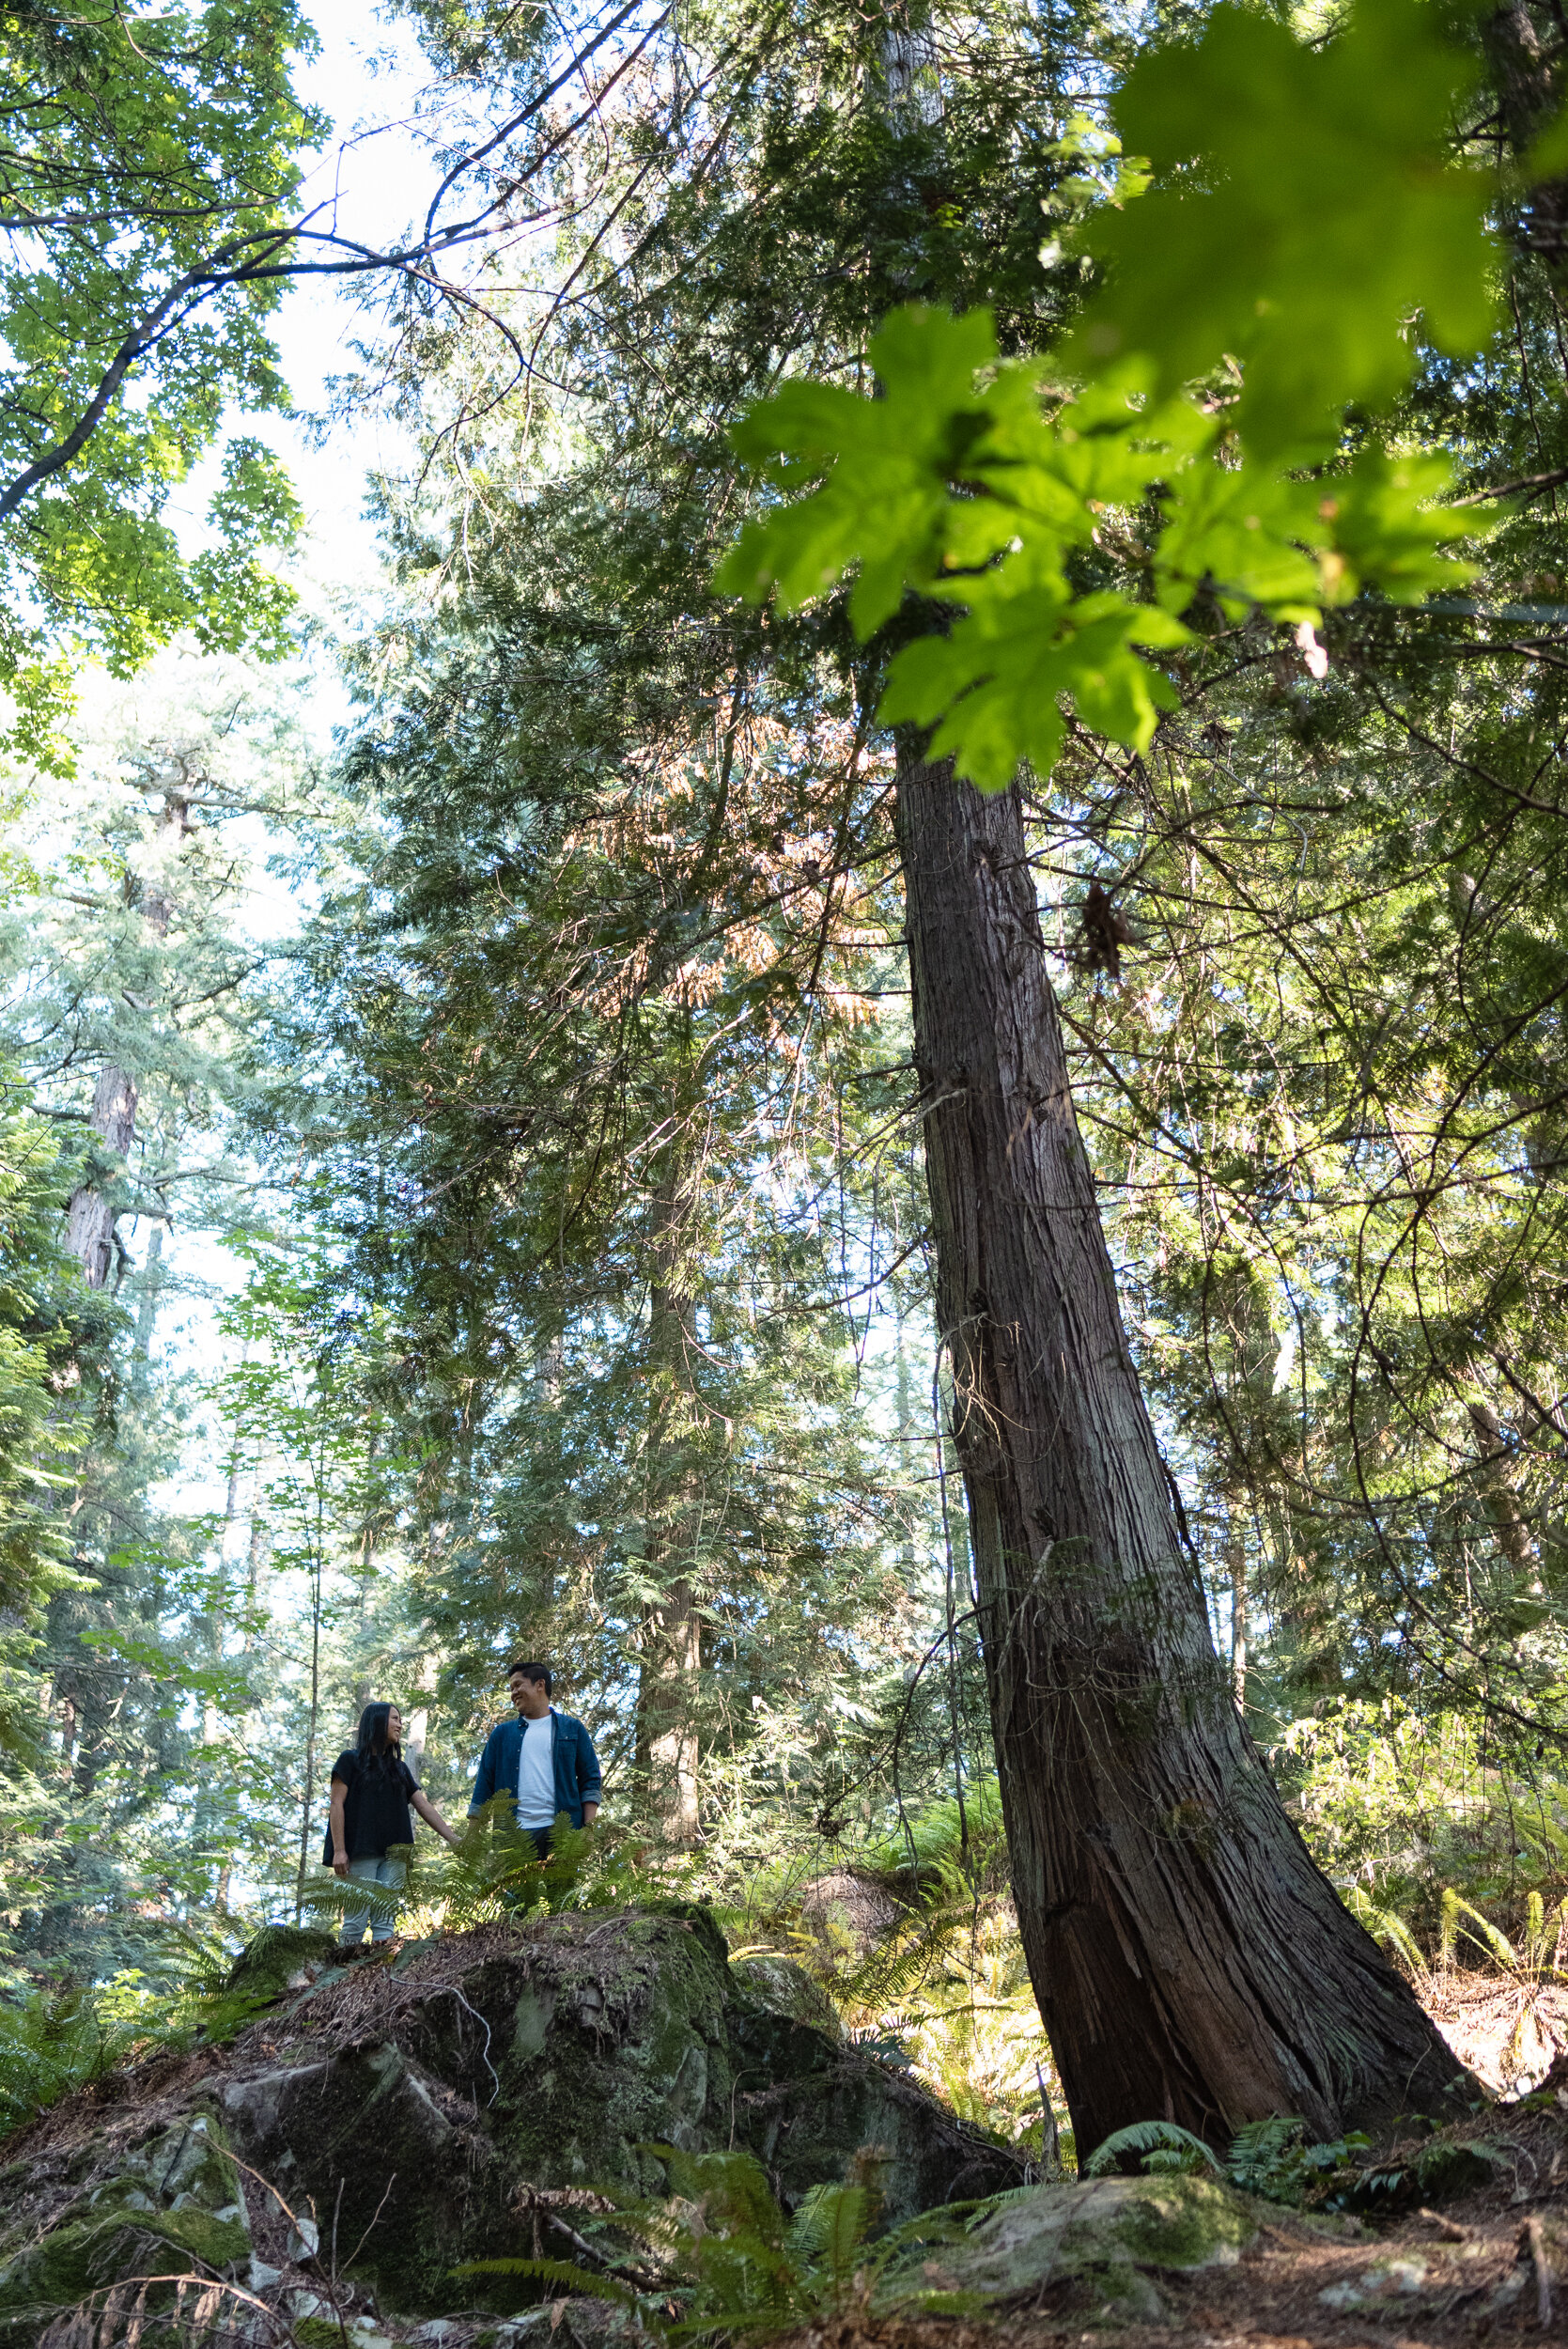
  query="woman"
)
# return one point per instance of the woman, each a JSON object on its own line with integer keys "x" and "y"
{"x": 372, "y": 1787}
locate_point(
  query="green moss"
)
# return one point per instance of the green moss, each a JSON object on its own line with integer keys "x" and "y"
{"x": 775, "y": 1985}
{"x": 1101, "y": 2236}
{"x": 70, "y": 2261}
{"x": 615, "y": 2055}
{"x": 317, "y": 2332}
{"x": 1184, "y": 2222}
{"x": 1124, "y": 2295}
{"x": 171, "y": 2204}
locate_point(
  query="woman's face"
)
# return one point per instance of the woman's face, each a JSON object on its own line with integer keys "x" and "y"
{"x": 395, "y": 1727}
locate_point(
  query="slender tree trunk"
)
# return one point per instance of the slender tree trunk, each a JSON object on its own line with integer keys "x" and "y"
{"x": 909, "y": 1442}
{"x": 258, "y": 1551}
{"x": 1189, "y": 1959}
{"x": 671, "y": 1662}
{"x": 1526, "y": 73}
{"x": 669, "y": 1675}
{"x": 147, "y": 1310}
{"x": 309, "y": 1802}
{"x": 206, "y": 1816}
{"x": 1236, "y": 1544}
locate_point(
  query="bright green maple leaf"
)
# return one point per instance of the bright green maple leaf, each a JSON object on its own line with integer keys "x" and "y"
{"x": 1307, "y": 207}
{"x": 883, "y": 505}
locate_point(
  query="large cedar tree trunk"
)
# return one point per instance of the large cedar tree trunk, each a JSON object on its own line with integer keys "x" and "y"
{"x": 1190, "y": 1961}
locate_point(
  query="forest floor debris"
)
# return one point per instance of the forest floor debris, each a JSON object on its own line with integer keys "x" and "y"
{"x": 1490, "y": 2265}
{"x": 1505, "y": 2029}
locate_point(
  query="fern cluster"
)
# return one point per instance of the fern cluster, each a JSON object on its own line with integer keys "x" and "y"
{"x": 494, "y": 1871}
{"x": 1272, "y": 2159}
{"x": 721, "y": 2257}
{"x": 51, "y": 2042}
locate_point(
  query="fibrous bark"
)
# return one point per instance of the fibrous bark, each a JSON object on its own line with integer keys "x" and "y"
{"x": 1189, "y": 1959}
{"x": 90, "y": 1220}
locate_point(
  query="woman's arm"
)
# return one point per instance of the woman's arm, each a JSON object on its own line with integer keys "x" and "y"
{"x": 432, "y": 1817}
{"x": 340, "y": 1838}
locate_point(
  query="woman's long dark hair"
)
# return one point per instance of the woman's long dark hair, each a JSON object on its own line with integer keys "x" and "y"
{"x": 377, "y": 1750}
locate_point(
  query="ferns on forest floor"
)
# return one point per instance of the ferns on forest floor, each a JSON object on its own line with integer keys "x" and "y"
{"x": 56, "y": 2039}
{"x": 946, "y": 1982}
{"x": 1272, "y": 2159}
{"x": 720, "y": 2257}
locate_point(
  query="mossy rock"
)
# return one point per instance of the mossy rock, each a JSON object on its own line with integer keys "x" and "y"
{"x": 171, "y": 2203}
{"x": 555, "y": 2063}
{"x": 1100, "y": 2241}
{"x": 266, "y": 1962}
{"x": 364, "y": 2134}
{"x": 772, "y": 1984}
{"x": 590, "y": 2081}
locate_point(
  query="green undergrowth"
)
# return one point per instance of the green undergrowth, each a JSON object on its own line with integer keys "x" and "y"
{"x": 1442, "y": 1839}
{"x": 720, "y": 2258}
{"x": 1274, "y": 2159}
{"x": 908, "y": 1932}
{"x": 1278, "y": 2161}
{"x": 57, "y": 2037}
{"x": 495, "y": 1871}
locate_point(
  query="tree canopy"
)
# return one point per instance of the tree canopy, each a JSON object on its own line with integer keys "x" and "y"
{"x": 1161, "y": 430}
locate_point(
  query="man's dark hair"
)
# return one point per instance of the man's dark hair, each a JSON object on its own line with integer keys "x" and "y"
{"x": 534, "y": 1671}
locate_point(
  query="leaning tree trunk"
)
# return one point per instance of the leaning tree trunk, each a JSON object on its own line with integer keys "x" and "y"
{"x": 1190, "y": 1961}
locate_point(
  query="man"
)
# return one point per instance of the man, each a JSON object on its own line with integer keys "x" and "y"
{"x": 544, "y": 1761}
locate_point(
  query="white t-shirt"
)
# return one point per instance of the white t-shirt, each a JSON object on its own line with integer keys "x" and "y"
{"x": 537, "y": 1774}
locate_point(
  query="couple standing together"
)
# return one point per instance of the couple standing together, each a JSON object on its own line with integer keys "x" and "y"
{"x": 543, "y": 1761}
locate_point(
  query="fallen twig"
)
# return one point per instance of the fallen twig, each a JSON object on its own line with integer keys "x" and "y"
{"x": 1451, "y": 2227}
{"x": 1534, "y": 2235}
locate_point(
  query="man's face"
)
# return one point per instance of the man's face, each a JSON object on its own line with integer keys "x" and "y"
{"x": 528, "y": 1697}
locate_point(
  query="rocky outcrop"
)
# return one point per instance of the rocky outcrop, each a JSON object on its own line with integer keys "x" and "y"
{"x": 170, "y": 2205}
{"x": 1099, "y": 2246}
{"x": 469, "y": 2100}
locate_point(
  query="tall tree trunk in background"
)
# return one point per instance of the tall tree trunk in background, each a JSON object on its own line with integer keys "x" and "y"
{"x": 147, "y": 1311}
{"x": 1524, "y": 63}
{"x": 1235, "y": 1544}
{"x": 206, "y": 1820}
{"x": 1502, "y": 1502}
{"x": 91, "y": 1220}
{"x": 672, "y": 1660}
{"x": 1189, "y": 1959}
{"x": 307, "y": 1800}
{"x": 670, "y": 1664}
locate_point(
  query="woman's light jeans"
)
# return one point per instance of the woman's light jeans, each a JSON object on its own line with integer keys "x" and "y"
{"x": 383, "y": 1924}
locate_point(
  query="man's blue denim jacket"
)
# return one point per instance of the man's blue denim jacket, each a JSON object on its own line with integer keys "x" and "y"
{"x": 577, "y": 1772}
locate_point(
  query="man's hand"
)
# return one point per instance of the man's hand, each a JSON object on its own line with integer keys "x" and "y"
{"x": 590, "y": 1813}
{"x": 340, "y": 1863}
